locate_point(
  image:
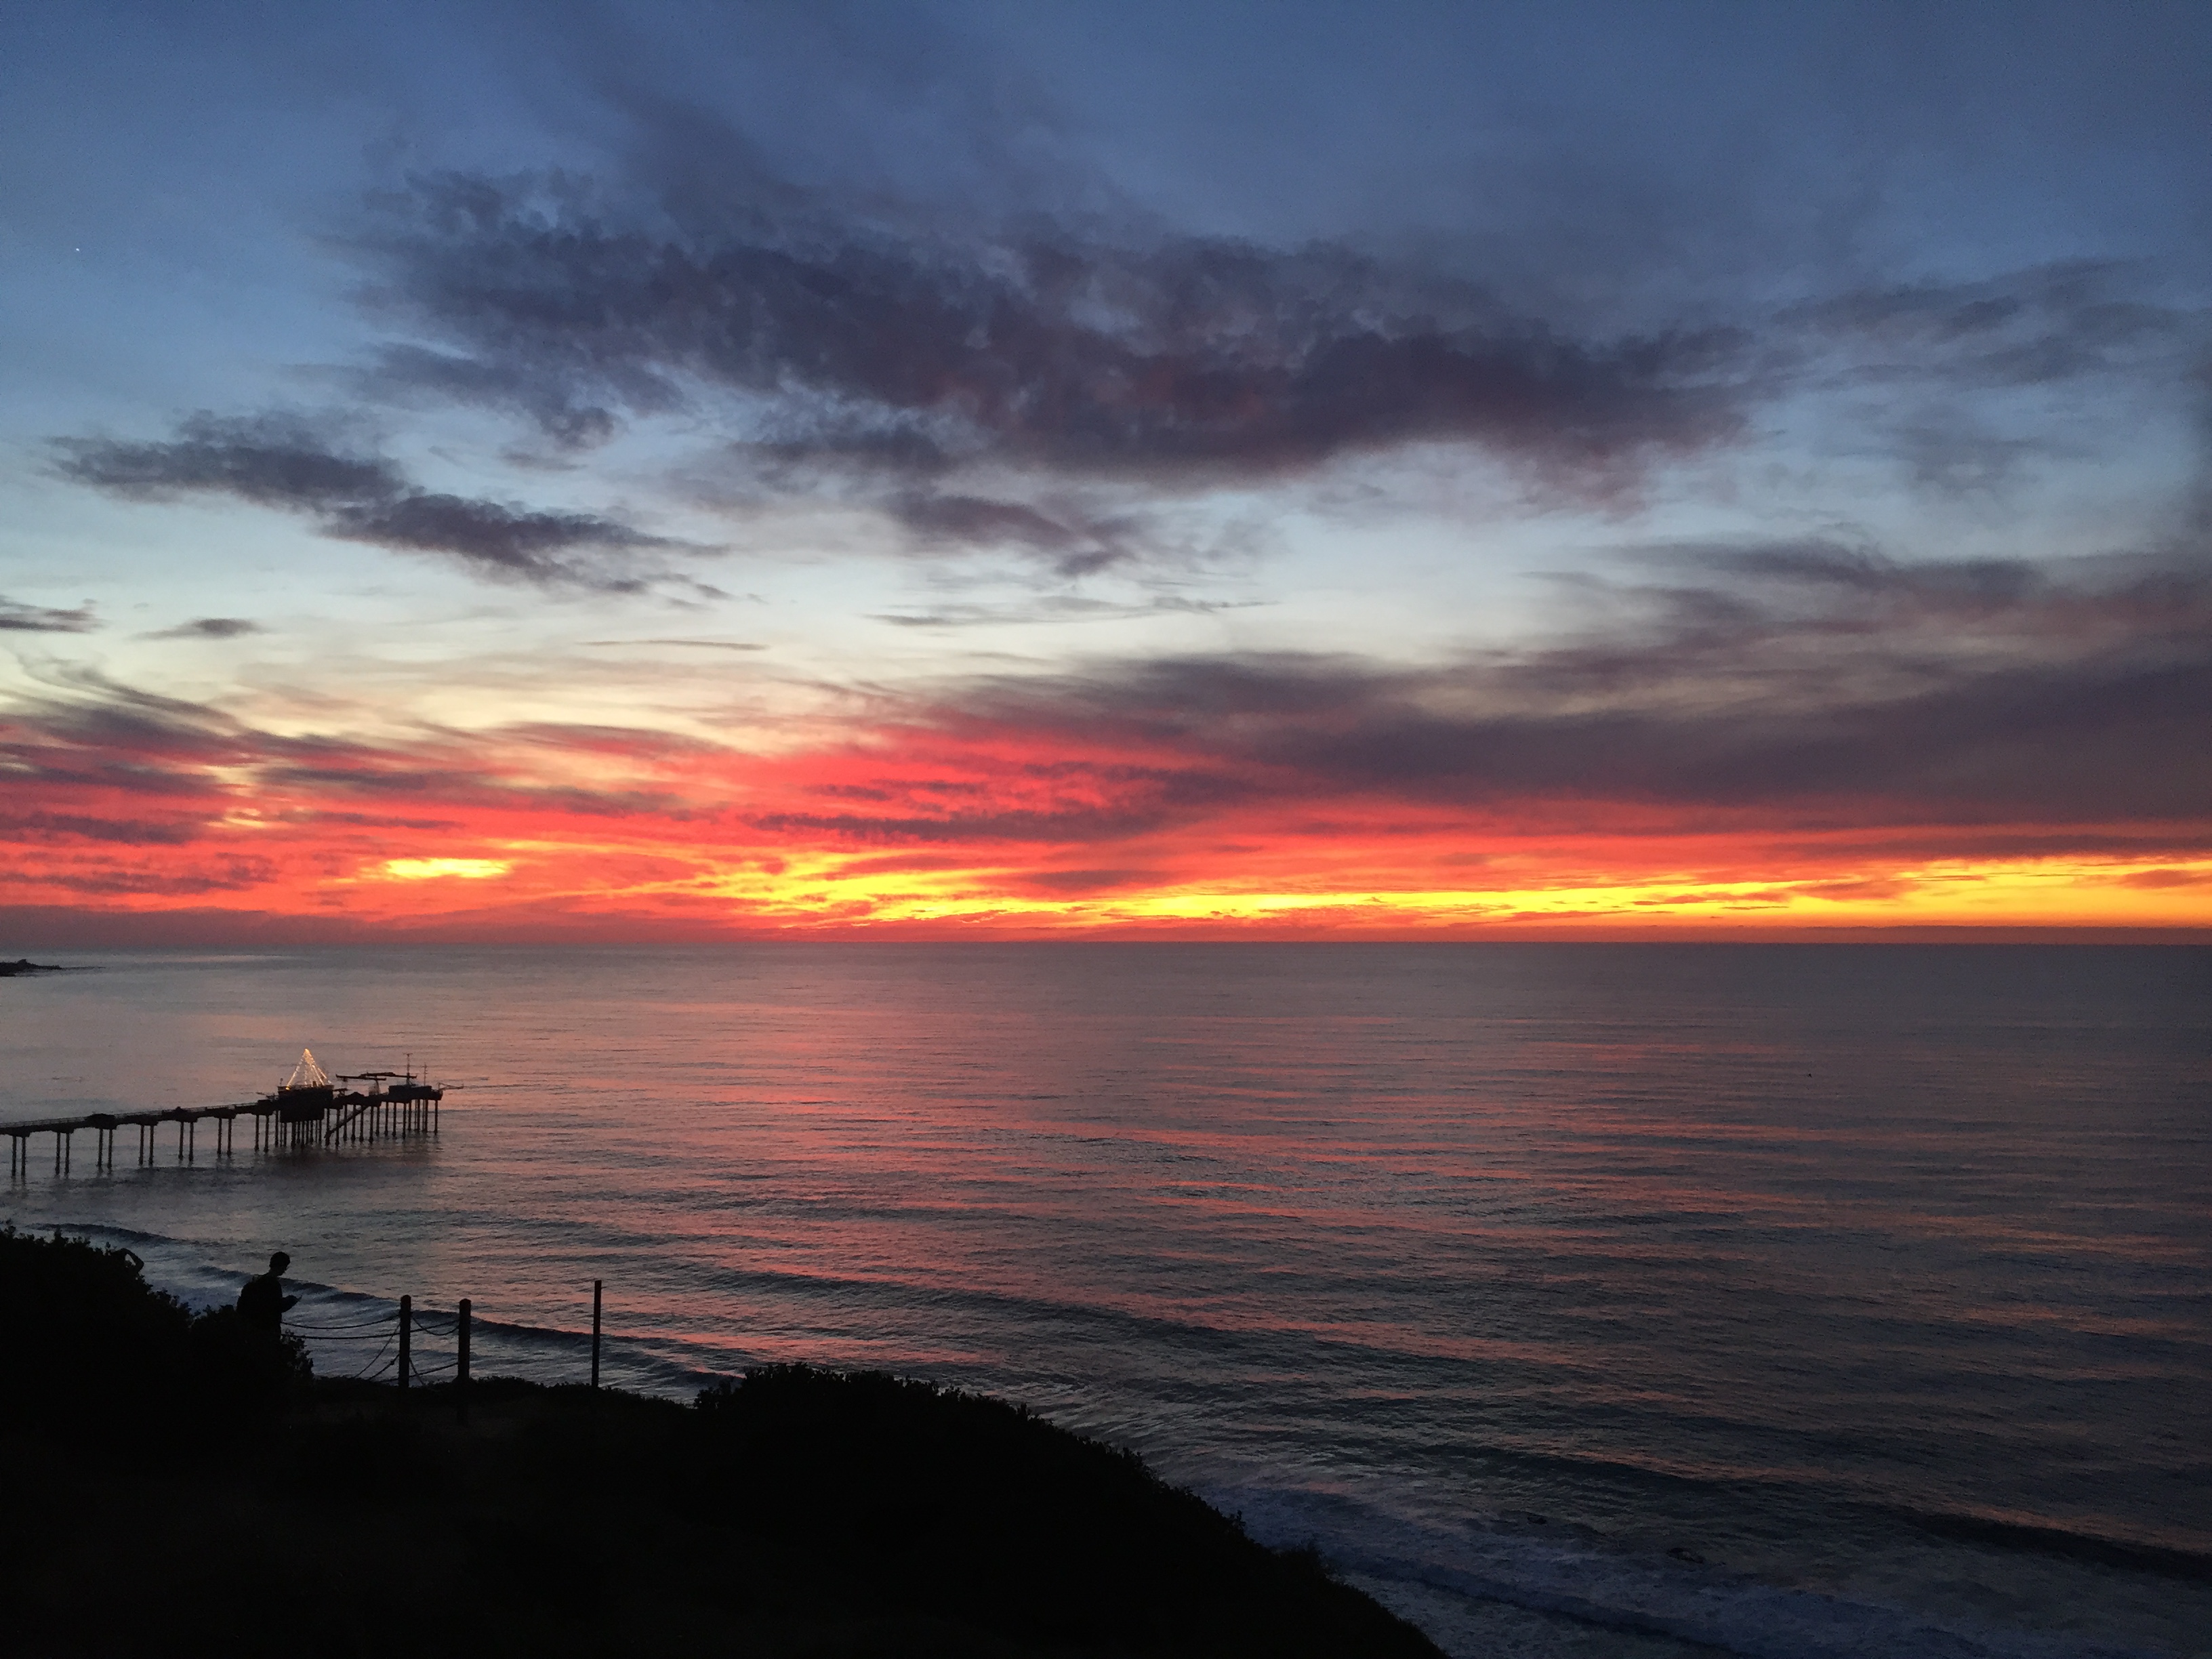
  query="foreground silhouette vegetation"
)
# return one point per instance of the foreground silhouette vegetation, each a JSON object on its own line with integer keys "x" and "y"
{"x": 178, "y": 1486}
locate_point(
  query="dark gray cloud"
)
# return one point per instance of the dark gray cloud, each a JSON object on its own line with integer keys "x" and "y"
{"x": 1847, "y": 689}
{"x": 19, "y": 618}
{"x": 2086, "y": 744}
{"x": 1817, "y": 623}
{"x": 210, "y": 627}
{"x": 866, "y": 349}
{"x": 271, "y": 460}
{"x": 1070, "y": 540}
{"x": 288, "y": 464}
{"x": 1039, "y": 347}
{"x": 493, "y": 537}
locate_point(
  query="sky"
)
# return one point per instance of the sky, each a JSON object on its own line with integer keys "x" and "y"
{"x": 680, "y": 471}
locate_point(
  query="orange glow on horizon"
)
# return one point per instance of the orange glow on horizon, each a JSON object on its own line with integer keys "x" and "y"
{"x": 914, "y": 830}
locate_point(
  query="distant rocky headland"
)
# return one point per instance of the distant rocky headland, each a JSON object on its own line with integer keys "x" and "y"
{"x": 25, "y": 965}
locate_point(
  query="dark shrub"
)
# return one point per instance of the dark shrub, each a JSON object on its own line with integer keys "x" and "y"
{"x": 86, "y": 1333}
{"x": 237, "y": 1367}
{"x": 90, "y": 1338}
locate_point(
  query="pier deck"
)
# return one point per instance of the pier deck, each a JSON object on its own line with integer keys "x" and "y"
{"x": 290, "y": 1117}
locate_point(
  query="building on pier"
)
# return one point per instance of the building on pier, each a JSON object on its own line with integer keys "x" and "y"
{"x": 307, "y": 1094}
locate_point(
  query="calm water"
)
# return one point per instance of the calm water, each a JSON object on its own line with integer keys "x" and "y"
{"x": 1875, "y": 1277}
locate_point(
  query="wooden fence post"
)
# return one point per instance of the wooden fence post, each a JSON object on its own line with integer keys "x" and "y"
{"x": 596, "y": 1283}
{"x": 461, "y": 1366}
{"x": 406, "y": 1324}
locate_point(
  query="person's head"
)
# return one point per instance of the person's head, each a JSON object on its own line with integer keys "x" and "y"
{"x": 278, "y": 1261}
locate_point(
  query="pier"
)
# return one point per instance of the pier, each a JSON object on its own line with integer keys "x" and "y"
{"x": 311, "y": 1109}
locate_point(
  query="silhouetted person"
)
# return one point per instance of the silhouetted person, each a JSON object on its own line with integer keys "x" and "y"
{"x": 263, "y": 1304}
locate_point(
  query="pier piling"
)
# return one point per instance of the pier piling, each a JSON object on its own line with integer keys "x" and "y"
{"x": 396, "y": 1104}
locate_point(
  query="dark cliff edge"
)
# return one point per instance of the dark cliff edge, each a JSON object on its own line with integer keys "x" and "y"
{"x": 177, "y": 1484}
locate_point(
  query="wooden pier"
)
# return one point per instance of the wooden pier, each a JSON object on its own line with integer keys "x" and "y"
{"x": 313, "y": 1110}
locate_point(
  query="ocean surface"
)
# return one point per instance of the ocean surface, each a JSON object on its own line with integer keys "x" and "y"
{"x": 1575, "y": 1300}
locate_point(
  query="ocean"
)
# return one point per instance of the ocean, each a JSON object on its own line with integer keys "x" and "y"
{"x": 1573, "y": 1299}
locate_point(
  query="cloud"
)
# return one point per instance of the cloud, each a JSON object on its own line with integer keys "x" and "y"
{"x": 222, "y": 875}
{"x": 1807, "y": 686}
{"x": 702, "y": 645}
{"x": 1081, "y": 800}
{"x": 272, "y": 460}
{"x": 2157, "y": 878}
{"x": 288, "y": 464}
{"x": 1073, "y": 547}
{"x": 1079, "y": 884}
{"x": 1041, "y": 347}
{"x": 1836, "y": 688}
{"x": 19, "y": 618}
{"x": 1058, "y": 608}
{"x": 1813, "y": 624}
{"x": 1841, "y": 725}
{"x": 93, "y": 750}
{"x": 39, "y": 827}
{"x": 210, "y": 627}
{"x": 491, "y": 537}
{"x": 2032, "y": 327}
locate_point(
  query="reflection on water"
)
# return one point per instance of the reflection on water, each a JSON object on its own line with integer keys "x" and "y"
{"x": 1756, "y": 1250}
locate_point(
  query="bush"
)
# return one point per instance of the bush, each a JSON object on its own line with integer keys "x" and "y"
{"x": 88, "y": 1337}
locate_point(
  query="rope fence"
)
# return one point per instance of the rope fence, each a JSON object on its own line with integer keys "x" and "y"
{"x": 379, "y": 1370}
{"x": 399, "y": 1327}
{"x": 342, "y": 1325}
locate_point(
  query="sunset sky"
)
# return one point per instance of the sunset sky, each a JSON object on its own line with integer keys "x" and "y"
{"x": 674, "y": 471}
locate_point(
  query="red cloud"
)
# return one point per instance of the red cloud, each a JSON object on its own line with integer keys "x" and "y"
{"x": 1837, "y": 741}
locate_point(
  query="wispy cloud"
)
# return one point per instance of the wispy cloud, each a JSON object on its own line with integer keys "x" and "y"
{"x": 210, "y": 627}
{"x": 2028, "y": 328}
{"x": 1059, "y": 608}
{"x": 19, "y": 618}
{"x": 290, "y": 463}
{"x": 699, "y": 645}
